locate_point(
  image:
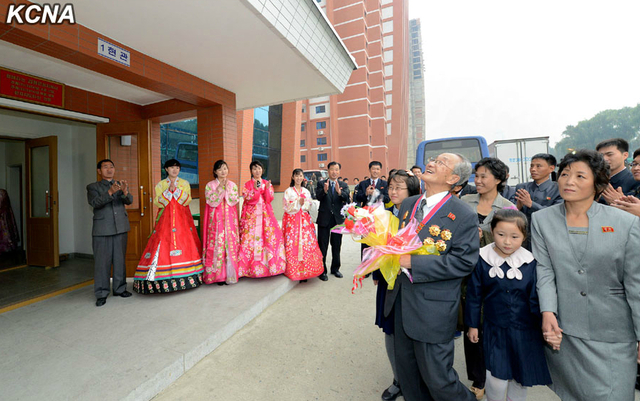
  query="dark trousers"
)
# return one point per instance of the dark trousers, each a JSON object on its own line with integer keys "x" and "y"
{"x": 474, "y": 359}
{"x": 425, "y": 371}
{"x": 110, "y": 250}
{"x": 325, "y": 236}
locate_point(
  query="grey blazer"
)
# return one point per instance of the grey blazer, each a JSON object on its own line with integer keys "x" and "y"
{"x": 430, "y": 304}
{"x": 596, "y": 295}
{"x": 109, "y": 214}
{"x": 499, "y": 202}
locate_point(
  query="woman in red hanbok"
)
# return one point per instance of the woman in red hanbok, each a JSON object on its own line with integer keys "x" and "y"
{"x": 261, "y": 247}
{"x": 171, "y": 260}
{"x": 220, "y": 236}
{"x": 304, "y": 259}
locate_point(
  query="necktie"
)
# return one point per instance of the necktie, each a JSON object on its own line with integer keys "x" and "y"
{"x": 333, "y": 187}
{"x": 420, "y": 213}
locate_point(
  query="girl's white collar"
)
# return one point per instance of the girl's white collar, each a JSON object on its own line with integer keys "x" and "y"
{"x": 515, "y": 260}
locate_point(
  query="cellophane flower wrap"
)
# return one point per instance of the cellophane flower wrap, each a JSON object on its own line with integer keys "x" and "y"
{"x": 379, "y": 229}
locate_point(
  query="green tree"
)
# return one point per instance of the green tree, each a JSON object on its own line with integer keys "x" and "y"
{"x": 623, "y": 123}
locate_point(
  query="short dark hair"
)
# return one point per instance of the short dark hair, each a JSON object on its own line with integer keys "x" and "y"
{"x": 375, "y": 163}
{"x": 339, "y": 178}
{"x": 621, "y": 144}
{"x": 345, "y": 179}
{"x": 550, "y": 159}
{"x": 413, "y": 184}
{"x": 356, "y": 179}
{"x": 596, "y": 163}
{"x": 391, "y": 173}
{"x": 105, "y": 161}
{"x": 416, "y": 166}
{"x": 171, "y": 163}
{"x": 217, "y": 166}
{"x": 256, "y": 163}
{"x": 295, "y": 171}
{"x": 333, "y": 164}
{"x": 636, "y": 153}
{"x": 497, "y": 168}
{"x": 510, "y": 216}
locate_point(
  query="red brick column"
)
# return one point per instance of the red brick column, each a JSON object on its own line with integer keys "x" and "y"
{"x": 290, "y": 157}
{"x": 245, "y": 144}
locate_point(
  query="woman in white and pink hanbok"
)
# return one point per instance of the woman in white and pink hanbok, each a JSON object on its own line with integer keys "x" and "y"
{"x": 220, "y": 238}
{"x": 261, "y": 247}
{"x": 304, "y": 259}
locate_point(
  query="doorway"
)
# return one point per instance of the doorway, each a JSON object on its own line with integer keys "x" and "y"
{"x": 12, "y": 239}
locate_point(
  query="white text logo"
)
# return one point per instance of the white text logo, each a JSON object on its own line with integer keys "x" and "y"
{"x": 40, "y": 14}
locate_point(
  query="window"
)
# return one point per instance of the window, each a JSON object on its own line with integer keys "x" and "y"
{"x": 322, "y": 141}
{"x": 387, "y": 12}
{"x": 302, "y": 143}
{"x": 388, "y": 84}
{"x": 387, "y": 26}
{"x": 388, "y": 114}
{"x": 389, "y": 100}
{"x": 179, "y": 140}
{"x": 388, "y": 56}
{"x": 387, "y": 41}
{"x": 303, "y": 126}
{"x": 388, "y": 70}
{"x": 321, "y": 124}
{"x": 304, "y": 108}
{"x": 322, "y": 157}
{"x": 320, "y": 109}
{"x": 303, "y": 159}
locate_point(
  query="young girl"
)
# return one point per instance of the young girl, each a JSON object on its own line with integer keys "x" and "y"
{"x": 503, "y": 287}
{"x": 220, "y": 237}
{"x": 304, "y": 259}
{"x": 261, "y": 248}
{"x": 171, "y": 260}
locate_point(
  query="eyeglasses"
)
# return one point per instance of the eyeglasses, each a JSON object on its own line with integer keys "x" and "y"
{"x": 634, "y": 165}
{"x": 438, "y": 162}
{"x": 396, "y": 189}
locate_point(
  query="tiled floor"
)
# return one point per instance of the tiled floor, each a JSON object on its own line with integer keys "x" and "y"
{"x": 25, "y": 283}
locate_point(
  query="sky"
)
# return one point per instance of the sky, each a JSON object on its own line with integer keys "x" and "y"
{"x": 516, "y": 69}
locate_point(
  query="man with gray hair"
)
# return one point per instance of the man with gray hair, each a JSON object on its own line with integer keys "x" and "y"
{"x": 424, "y": 304}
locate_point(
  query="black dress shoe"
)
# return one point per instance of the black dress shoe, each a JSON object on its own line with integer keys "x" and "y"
{"x": 337, "y": 274}
{"x": 323, "y": 277}
{"x": 303, "y": 281}
{"x": 392, "y": 392}
{"x": 101, "y": 301}
{"x": 124, "y": 294}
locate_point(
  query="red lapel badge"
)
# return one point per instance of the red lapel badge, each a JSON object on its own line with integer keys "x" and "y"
{"x": 607, "y": 229}
{"x": 548, "y": 198}
{"x": 452, "y": 216}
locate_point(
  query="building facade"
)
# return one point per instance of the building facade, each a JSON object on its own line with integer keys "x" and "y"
{"x": 416, "y": 92}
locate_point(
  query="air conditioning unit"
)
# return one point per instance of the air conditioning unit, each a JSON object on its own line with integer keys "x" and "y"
{"x": 320, "y": 132}
{"x": 321, "y": 165}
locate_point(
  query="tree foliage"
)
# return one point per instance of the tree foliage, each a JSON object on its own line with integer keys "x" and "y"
{"x": 623, "y": 123}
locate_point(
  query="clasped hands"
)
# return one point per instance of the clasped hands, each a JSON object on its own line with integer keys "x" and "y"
{"x": 551, "y": 332}
{"x": 119, "y": 185}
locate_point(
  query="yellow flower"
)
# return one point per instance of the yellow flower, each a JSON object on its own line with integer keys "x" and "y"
{"x": 446, "y": 235}
{"x": 441, "y": 246}
{"x": 428, "y": 241}
{"x": 434, "y": 230}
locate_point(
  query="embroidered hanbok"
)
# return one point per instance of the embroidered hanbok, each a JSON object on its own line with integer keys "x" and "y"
{"x": 220, "y": 237}
{"x": 304, "y": 259}
{"x": 171, "y": 260}
{"x": 261, "y": 247}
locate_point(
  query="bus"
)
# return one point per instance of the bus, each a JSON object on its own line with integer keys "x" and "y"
{"x": 473, "y": 148}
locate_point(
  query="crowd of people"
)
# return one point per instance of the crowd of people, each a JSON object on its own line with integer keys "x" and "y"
{"x": 543, "y": 277}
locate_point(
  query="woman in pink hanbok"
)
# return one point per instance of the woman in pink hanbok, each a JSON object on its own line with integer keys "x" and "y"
{"x": 304, "y": 259}
{"x": 261, "y": 247}
{"x": 220, "y": 224}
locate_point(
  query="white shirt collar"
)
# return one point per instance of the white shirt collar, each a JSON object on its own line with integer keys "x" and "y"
{"x": 514, "y": 261}
{"x": 434, "y": 199}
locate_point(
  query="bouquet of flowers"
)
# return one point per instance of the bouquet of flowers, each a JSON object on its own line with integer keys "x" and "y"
{"x": 379, "y": 229}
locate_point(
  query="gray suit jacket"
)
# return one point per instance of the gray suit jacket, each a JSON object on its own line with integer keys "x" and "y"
{"x": 109, "y": 214}
{"x": 430, "y": 304}
{"x": 596, "y": 294}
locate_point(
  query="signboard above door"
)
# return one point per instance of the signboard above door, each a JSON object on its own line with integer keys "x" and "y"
{"x": 19, "y": 86}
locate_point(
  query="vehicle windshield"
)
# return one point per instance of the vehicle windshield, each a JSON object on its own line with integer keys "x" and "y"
{"x": 469, "y": 148}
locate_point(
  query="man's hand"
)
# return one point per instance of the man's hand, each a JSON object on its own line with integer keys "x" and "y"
{"x": 611, "y": 195}
{"x": 629, "y": 204}
{"x": 523, "y": 198}
{"x": 326, "y": 187}
{"x": 115, "y": 187}
{"x": 338, "y": 190}
{"x": 472, "y": 334}
{"x": 370, "y": 190}
{"x": 405, "y": 261}
{"x": 125, "y": 187}
{"x": 551, "y": 331}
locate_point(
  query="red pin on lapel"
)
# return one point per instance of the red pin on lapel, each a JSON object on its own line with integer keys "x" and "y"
{"x": 607, "y": 229}
{"x": 452, "y": 216}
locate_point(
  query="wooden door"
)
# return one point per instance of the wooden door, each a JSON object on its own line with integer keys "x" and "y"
{"x": 128, "y": 146}
{"x": 42, "y": 201}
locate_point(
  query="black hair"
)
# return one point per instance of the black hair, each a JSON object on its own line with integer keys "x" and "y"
{"x": 295, "y": 171}
{"x": 255, "y": 163}
{"x": 374, "y": 163}
{"x": 217, "y": 166}
{"x": 391, "y": 173}
{"x": 462, "y": 186}
{"x": 171, "y": 163}
{"x": 354, "y": 180}
{"x": 596, "y": 163}
{"x": 510, "y": 216}
{"x": 636, "y": 153}
{"x": 105, "y": 161}
{"x": 413, "y": 184}
{"x": 550, "y": 159}
{"x": 621, "y": 144}
{"x": 497, "y": 168}
{"x": 416, "y": 166}
{"x": 333, "y": 164}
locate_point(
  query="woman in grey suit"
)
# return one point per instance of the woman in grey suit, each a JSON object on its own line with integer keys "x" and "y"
{"x": 588, "y": 269}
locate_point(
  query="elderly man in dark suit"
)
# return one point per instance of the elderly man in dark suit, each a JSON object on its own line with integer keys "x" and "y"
{"x": 110, "y": 227}
{"x": 333, "y": 195}
{"x": 426, "y": 310}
